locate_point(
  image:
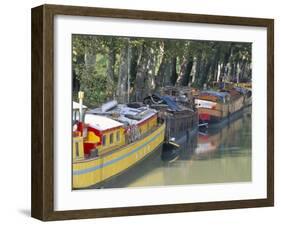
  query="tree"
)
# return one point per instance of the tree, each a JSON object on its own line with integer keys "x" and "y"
{"x": 122, "y": 85}
{"x": 110, "y": 83}
{"x": 129, "y": 69}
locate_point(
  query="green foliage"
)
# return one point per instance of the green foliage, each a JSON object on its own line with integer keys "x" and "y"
{"x": 207, "y": 59}
{"x": 94, "y": 86}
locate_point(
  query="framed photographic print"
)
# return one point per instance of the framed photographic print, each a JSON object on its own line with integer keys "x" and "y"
{"x": 141, "y": 112}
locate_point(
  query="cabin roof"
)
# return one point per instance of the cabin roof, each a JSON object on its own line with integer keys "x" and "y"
{"x": 127, "y": 115}
{"x": 171, "y": 103}
{"x": 76, "y": 105}
{"x": 214, "y": 93}
{"x": 241, "y": 90}
{"x": 101, "y": 123}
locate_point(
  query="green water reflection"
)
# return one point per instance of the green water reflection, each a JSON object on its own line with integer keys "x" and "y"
{"x": 219, "y": 155}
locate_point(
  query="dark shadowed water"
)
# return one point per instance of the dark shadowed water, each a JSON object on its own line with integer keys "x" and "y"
{"x": 218, "y": 155}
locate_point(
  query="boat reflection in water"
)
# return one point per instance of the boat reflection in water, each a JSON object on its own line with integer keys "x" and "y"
{"x": 218, "y": 155}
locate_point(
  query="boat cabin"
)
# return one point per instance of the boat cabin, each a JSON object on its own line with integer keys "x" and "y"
{"x": 77, "y": 136}
{"x": 104, "y": 134}
{"x": 75, "y": 111}
{"x": 111, "y": 126}
{"x": 214, "y": 96}
{"x": 136, "y": 121}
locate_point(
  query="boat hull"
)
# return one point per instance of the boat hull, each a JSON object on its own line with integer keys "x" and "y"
{"x": 180, "y": 124}
{"x": 214, "y": 112}
{"x": 88, "y": 173}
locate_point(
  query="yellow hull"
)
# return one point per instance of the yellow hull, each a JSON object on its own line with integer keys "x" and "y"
{"x": 90, "y": 172}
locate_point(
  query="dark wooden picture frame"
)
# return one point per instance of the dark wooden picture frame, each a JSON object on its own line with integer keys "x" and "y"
{"x": 42, "y": 203}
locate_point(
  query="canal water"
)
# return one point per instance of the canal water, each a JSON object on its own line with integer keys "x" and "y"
{"x": 217, "y": 155}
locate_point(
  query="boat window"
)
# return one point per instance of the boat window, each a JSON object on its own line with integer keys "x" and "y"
{"x": 111, "y": 138}
{"x": 118, "y": 136}
{"x": 77, "y": 149}
{"x": 75, "y": 116}
{"x": 104, "y": 140}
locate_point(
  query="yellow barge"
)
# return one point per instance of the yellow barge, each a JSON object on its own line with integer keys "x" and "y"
{"x": 106, "y": 146}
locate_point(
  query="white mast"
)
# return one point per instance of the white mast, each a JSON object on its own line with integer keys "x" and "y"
{"x": 80, "y": 97}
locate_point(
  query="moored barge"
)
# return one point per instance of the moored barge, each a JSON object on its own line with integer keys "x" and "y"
{"x": 214, "y": 106}
{"x": 176, "y": 106}
{"x": 111, "y": 139}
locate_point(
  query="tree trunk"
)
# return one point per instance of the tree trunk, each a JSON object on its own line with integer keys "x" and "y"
{"x": 167, "y": 67}
{"x": 185, "y": 70}
{"x": 219, "y": 76}
{"x": 214, "y": 65}
{"x": 123, "y": 75}
{"x": 89, "y": 58}
{"x": 227, "y": 55}
{"x": 134, "y": 64}
{"x": 204, "y": 72}
{"x": 238, "y": 71}
{"x": 198, "y": 68}
{"x": 145, "y": 84}
{"x": 193, "y": 69}
{"x": 140, "y": 75}
{"x": 110, "y": 71}
{"x": 243, "y": 70}
{"x": 165, "y": 72}
{"x": 174, "y": 74}
{"x": 182, "y": 72}
{"x": 150, "y": 77}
